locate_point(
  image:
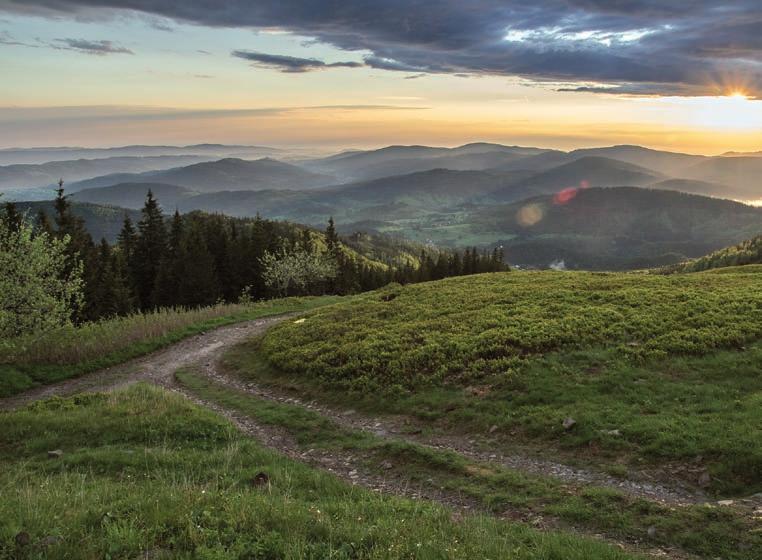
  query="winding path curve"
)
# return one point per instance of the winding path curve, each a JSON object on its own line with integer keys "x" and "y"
{"x": 203, "y": 352}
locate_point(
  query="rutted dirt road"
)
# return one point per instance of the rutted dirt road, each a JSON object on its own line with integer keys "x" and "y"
{"x": 158, "y": 367}
{"x": 203, "y": 351}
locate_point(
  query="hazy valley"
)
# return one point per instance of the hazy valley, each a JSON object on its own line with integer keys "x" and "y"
{"x": 534, "y": 203}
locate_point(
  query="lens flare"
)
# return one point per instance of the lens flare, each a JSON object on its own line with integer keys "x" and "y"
{"x": 566, "y": 195}
{"x": 529, "y": 215}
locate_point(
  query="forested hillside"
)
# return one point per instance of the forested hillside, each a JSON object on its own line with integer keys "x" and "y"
{"x": 199, "y": 259}
{"x": 745, "y": 253}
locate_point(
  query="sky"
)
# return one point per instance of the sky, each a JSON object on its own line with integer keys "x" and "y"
{"x": 681, "y": 75}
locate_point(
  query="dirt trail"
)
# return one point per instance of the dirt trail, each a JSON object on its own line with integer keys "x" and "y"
{"x": 203, "y": 351}
{"x": 158, "y": 367}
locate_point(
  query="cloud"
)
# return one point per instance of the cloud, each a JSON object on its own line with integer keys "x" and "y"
{"x": 8, "y": 39}
{"x": 635, "y": 47}
{"x": 290, "y": 64}
{"x": 99, "y": 48}
{"x": 111, "y": 113}
{"x": 395, "y": 65}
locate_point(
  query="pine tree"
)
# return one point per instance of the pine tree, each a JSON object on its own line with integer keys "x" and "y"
{"x": 332, "y": 238}
{"x": 127, "y": 238}
{"x": 168, "y": 274}
{"x": 197, "y": 284}
{"x": 122, "y": 292}
{"x": 150, "y": 249}
{"x": 80, "y": 250}
{"x": 101, "y": 282}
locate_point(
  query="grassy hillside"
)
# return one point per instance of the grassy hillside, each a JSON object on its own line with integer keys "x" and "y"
{"x": 146, "y": 474}
{"x": 662, "y": 369}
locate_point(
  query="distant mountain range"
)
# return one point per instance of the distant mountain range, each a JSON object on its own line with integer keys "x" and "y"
{"x": 220, "y": 175}
{"x": 534, "y": 170}
{"x": 47, "y": 174}
{"x": 613, "y": 207}
{"x": 10, "y": 156}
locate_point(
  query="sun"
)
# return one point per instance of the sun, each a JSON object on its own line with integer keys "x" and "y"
{"x": 738, "y": 95}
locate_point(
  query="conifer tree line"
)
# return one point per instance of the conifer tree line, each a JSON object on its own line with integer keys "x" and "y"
{"x": 199, "y": 259}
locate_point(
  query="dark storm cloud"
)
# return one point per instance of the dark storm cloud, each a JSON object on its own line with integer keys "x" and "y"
{"x": 685, "y": 47}
{"x": 290, "y": 64}
{"x": 99, "y": 48}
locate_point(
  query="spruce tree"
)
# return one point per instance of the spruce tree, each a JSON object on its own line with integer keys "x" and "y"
{"x": 150, "y": 249}
{"x": 332, "y": 238}
{"x": 80, "y": 250}
{"x": 168, "y": 275}
{"x": 197, "y": 283}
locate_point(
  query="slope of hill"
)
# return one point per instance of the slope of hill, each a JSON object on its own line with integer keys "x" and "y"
{"x": 231, "y": 173}
{"x": 538, "y": 162}
{"x": 589, "y": 171}
{"x": 625, "y": 211}
{"x": 525, "y": 350}
{"x": 668, "y": 163}
{"x": 47, "y": 174}
{"x": 614, "y": 228}
{"x": 741, "y": 174}
{"x": 693, "y": 186}
{"x": 435, "y": 187}
{"x": 388, "y": 198}
{"x": 133, "y": 195}
{"x": 745, "y": 253}
{"x": 274, "y": 204}
{"x": 478, "y": 161}
{"x": 398, "y": 160}
{"x": 221, "y": 175}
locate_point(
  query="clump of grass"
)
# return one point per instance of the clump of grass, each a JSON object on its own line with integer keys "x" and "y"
{"x": 70, "y": 351}
{"x": 144, "y": 473}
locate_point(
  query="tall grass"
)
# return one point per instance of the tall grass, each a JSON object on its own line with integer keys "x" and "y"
{"x": 69, "y": 351}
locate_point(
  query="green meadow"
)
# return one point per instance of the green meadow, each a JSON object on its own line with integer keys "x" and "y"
{"x": 657, "y": 372}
